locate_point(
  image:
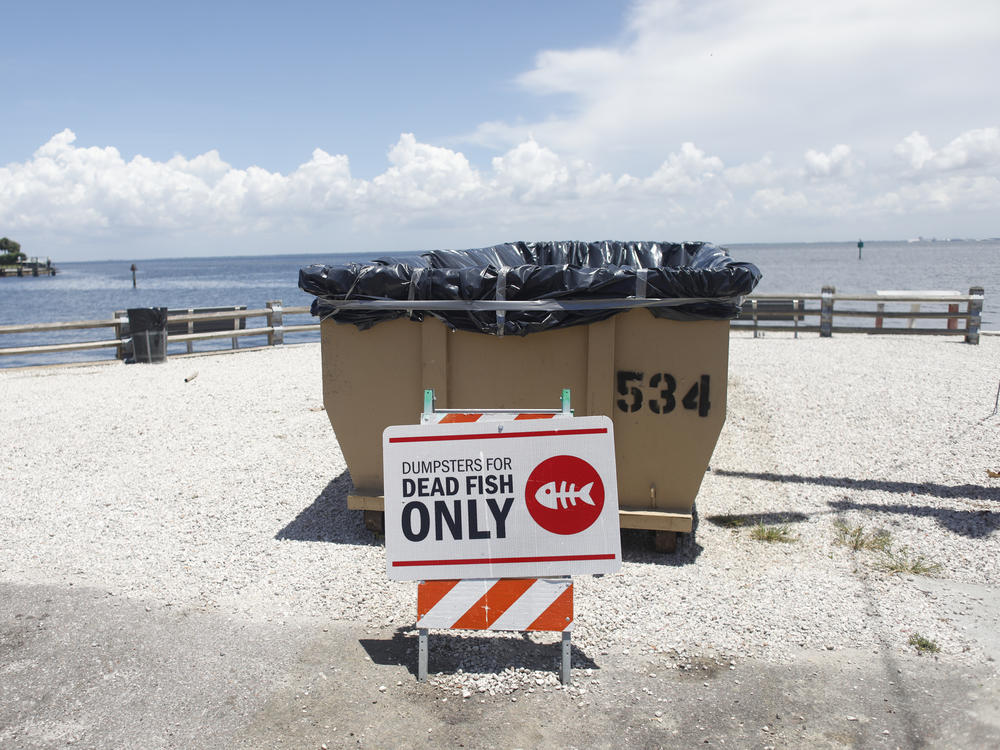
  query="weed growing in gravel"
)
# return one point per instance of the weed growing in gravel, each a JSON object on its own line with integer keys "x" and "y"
{"x": 764, "y": 533}
{"x": 858, "y": 539}
{"x": 923, "y": 645}
{"x": 891, "y": 559}
{"x": 901, "y": 561}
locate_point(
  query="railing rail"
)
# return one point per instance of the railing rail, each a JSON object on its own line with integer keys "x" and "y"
{"x": 60, "y": 326}
{"x": 769, "y": 317}
{"x": 915, "y": 297}
{"x": 274, "y": 328}
{"x": 763, "y": 319}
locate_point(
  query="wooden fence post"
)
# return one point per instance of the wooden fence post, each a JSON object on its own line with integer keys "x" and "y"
{"x": 975, "y": 315}
{"x": 826, "y": 311}
{"x": 121, "y": 327}
{"x": 276, "y": 336}
{"x": 190, "y": 344}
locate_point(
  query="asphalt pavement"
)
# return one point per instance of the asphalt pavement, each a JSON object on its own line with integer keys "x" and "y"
{"x": 83, "y": 668}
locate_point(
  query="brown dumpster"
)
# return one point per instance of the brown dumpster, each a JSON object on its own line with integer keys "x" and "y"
{"x": 662, "y": 381}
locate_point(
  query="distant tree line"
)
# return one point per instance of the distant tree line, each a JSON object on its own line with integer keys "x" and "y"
{"x": 10, "y": 251}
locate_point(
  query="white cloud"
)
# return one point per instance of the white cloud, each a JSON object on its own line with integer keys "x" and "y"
{"x": 424, "y": 176}
{"x": 322, "y": 184}
{"x": 742, "y": 79}
{"x": 208, "y": 167}
{"x": 531, "y": 171}
{"x": 915, "y": 149}
{"x": 761, "y": 172}
{"x": 839, "y": 162}
{"x": 67, "y": 191}
{"x": 974, "y": 149}
{"x": 953, "y": 194}
{"x": 685, "y": 171}
{"x": 777, "y": 201}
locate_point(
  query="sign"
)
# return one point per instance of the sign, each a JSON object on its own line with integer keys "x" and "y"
{"x": 509, "y": 499}
{"x": 490, "y": 604}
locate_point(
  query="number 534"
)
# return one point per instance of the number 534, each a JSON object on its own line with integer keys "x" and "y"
{"x": 664, "y": 393}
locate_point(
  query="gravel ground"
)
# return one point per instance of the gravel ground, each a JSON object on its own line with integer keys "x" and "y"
{"x": 227, "y": 494}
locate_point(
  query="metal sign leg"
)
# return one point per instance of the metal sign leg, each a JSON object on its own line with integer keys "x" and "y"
{"x": 564, "y": 670}
{"x": 422, "y": 656}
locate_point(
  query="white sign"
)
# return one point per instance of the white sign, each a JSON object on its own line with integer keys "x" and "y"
{"x": 523, "y": 498}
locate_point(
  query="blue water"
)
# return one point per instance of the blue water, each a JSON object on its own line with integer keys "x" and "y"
{"x": 955, "y": 266}
{"x": 94, "y": 290}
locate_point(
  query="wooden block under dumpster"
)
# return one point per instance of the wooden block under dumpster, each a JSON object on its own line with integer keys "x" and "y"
{"x": 662, "y": 382}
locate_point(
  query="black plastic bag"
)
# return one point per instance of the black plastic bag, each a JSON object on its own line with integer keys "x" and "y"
{"x": 582, "y": 281}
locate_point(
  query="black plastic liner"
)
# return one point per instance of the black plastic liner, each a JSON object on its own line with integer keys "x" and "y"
{"x": 689, "y": 281}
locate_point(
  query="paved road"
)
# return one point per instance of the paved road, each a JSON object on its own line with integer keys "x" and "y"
{"x": 81, "y": 668}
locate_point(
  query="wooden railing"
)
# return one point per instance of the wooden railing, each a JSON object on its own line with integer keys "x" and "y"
{"x": 233, "y": 326}
{"x": 761, "y": 312}
{"x": 771, "y": 312}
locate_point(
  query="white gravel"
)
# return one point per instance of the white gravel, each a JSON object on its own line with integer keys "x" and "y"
{"x": 222, "y": 493}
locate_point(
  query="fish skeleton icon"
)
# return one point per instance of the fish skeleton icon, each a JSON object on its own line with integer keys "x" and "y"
{"x": 566, "y": 495}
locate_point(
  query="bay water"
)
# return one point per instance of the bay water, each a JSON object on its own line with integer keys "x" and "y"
{"x": 94, "y": 290}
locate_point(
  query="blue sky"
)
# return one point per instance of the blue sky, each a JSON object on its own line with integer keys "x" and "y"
{"x": 266, "y": 83}
{"x": 139, "y": 130}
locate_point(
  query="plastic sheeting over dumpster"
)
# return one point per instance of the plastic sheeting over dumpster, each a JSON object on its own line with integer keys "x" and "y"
{"x": 527, "y": 287}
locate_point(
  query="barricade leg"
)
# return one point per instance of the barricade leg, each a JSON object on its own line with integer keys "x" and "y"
{"x": 422, "y": 655}
{"x": 566, "y": 653}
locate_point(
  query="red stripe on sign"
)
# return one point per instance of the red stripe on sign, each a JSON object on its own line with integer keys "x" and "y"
{"x": 542, "y": 433}
{"x": 557, "y": 615}
{"x": 493, "y": 603}
{"x": 459, "y": 418}
{"x": 498, "y": 560}
{"x": 430, "y": 593}
{"x": 533, "y": 416}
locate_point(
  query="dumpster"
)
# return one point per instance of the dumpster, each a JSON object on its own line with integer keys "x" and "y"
{"x": 639, "y": 331}
{"x": 148, "y": 326}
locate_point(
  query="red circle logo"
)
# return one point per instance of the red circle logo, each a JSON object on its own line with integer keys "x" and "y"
{"x": 564, "y": 494}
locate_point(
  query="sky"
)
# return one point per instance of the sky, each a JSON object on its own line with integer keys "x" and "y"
{"x": 134, "y": 130}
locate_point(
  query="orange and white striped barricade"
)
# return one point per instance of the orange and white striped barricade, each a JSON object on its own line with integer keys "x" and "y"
{"x": 521, "y": 604}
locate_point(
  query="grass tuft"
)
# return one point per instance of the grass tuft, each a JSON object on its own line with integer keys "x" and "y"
{"x": 891, "y": 559}
{"x": 923, "y": 645}
{"x": 902, "y": 561}
{"x": 858, "y": 539}
{"x": 780, "y": 533}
